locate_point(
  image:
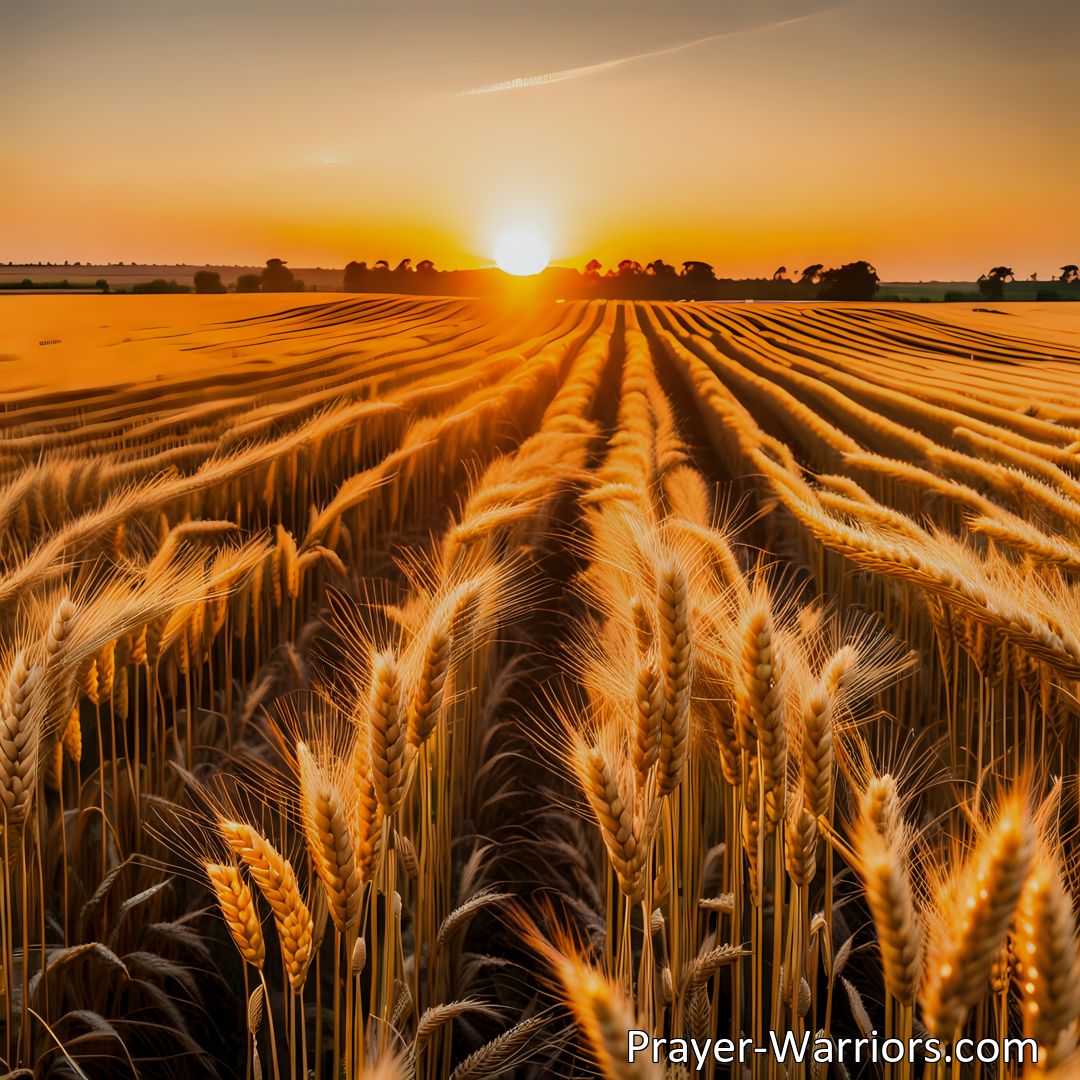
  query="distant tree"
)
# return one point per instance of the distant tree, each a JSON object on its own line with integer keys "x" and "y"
{"x": 101, "y": 284}
{"x": 659, "y": 268}
{"x": 208, "y": 281}
{"x": 698, "y": 271}
{"x": 426, "y": 266}
{"x": 811, "y": 275}
{"x": 629, "y": 268}
{"x": 160, "y": 285}
{"x": 592, "y": 269}
{"x": 277, "y": 277}
{"x": 1070, "y": 272}
{"x": 381, "y": 266}
{"x": 780, "y": 274}
{"x": 404, "y": 267}
{"x": 248, "y": 282}
{"x": 298, "y": 285}
{"x": 852, "y": 281}
{"x": 356, "y": 275}
{"x": 992, "y": 284}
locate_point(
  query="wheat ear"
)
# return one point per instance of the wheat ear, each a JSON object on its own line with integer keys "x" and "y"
{"x": 879, "y": 806}
{"x": 72, "y": 736}
{"x": 675, "y": 675}
{"x": 882, "y": 866}
{"x": 239, "y": 911}
{"x": 255, "y": 1010}
{"x": 817, "y": 751}
{"x": 329, "y": 840}
{"x": 648, "y": 705}
{"x": 800, "y": 841}
{"x": 503, "y": 1053}
{"x": 423, "y": 711}
{"x": 759, "y": 702}
{"x": 1047, "y": 959}
{"x": 601, "y": 1012}
{"x": 615, "y": 816}
{"x": 20, "y": 730}
{"x": 388, "y": 741}
{"x": 976, "y": 920}
{"x": 367, "y": 819}
{"x": 277, "y": 882}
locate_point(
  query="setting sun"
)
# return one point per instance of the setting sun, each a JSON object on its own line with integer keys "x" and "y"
{"x": 522, "y": 252}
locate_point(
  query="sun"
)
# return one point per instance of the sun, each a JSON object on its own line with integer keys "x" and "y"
{"x": 522, "y": 252}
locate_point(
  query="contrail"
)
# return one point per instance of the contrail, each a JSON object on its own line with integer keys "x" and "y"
{"x": 528, "y": 81}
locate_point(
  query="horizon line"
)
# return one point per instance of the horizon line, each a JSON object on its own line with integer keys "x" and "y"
{"x": 7, "y": 268}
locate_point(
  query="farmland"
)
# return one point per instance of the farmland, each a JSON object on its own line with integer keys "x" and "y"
{"x": 434, "y": 687}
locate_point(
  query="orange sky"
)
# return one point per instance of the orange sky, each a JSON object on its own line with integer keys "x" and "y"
{"x": 933, "y": 137}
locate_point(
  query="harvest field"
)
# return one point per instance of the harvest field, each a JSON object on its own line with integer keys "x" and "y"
{"x": 420, "y": 687}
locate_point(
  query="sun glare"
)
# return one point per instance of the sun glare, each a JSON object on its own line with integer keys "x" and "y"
{"x": 522, "y": 252}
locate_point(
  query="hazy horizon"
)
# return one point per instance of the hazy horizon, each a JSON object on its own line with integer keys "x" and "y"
{"x": 931, "y": 140}
{"x": 793, "y": 270}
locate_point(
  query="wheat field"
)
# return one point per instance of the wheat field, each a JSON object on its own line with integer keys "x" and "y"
{"x": 401, "y": 687}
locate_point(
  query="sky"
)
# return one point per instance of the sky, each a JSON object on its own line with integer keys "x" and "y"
{"x": 934, "y": 138}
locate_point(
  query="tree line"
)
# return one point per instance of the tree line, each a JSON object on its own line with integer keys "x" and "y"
{"x": 992, "y": 283}
{"x": 630, "y": 279}
{"x": 276, "y": 277}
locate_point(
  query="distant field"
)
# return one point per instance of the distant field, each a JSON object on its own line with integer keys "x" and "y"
{"x": 936, "y": 290}
{"x": 91, "y": 340}
{"x": 124, "y": 277}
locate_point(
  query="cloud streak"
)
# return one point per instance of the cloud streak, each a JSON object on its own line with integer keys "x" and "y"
{"x": 528, "y": 82}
